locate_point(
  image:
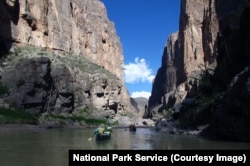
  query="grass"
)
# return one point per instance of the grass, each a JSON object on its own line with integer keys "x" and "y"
{"x": 12, "y": 116}
{"x": 76, "y": 118}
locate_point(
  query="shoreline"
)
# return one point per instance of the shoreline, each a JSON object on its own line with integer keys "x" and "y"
{"x": 14, "y": 128}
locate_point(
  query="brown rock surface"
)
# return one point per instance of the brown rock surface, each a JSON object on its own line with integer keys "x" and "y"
{"x": 198, "y": 34}
{"x": 186, "y": 53}
{"x": 77, "y": 26}
{"x": 213, "y": 35}
{"x": 40, "y": 81}
{"x": 55, "y": 80}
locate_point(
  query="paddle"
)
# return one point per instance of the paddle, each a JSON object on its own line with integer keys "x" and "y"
{"x": 90, "y": 138}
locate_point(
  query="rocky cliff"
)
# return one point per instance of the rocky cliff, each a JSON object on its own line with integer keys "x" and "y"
{"x": 77, "y": 26}
{"x": 186, "y": 53}
{"x": 166, "y": 78}
{"x": 198, "y": 34}
{"x": 61, "y": 57}
{"x": 232, "y": 115}
{"x": 210, "y": 82}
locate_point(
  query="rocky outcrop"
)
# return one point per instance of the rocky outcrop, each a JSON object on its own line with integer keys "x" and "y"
{"x": 231, "y": 118}
{"x": 233, "y": 46}
{"x": 61, "y": 56}
{"x": 198, "y": 34}
{"x": 213, "y": 37}
{"x": 167, "y": 72}
{"x": 168, "y": 77}
{"x": 186, "y": 54}
{"x": 43, "y": 82}
{"x": 77, "y": 26}
{"x": 142, "y": 104}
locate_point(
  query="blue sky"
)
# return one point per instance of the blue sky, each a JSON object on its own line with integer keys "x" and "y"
{"x": 143, "y": 27}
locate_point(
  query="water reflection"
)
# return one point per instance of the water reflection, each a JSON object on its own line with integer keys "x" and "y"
{"x": 50, "y": 147}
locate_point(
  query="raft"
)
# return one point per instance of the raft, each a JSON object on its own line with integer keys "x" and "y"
{"x": 132, "y": 128}
{"x": 103, "y": 136}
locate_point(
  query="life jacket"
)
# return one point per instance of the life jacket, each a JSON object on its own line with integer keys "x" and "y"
{"x": 100, "y": 130}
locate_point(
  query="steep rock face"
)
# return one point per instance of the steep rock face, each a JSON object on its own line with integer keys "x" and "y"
{"x": 167, "y": 77}
{"x": 70, "y": 31}
{"x": 213, "y": 35}
{"x": 198, "y": 34}
{"x": 233, "y": 40}
{"x": 231, "y": 118}
{"x": 186, "y": 54}
{"x": 142, "y": 104}
{"x": 77, "y": 26}
{"x": 43, "y": 82}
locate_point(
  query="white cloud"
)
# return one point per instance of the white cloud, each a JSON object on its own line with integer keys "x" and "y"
{"x": 138, "y": 71}
{"x": 141, "y": 94}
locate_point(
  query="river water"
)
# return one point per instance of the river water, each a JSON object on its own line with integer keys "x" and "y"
{"x": 50, "y": 147}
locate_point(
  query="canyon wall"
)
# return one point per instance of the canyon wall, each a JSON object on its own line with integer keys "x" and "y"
{"x": 211, "y": 50}
{"x": 232, "y": 115}
{"x": 61, "y": 56}
{"x": 77, "y": 26}
{"x": 187, "y": 52}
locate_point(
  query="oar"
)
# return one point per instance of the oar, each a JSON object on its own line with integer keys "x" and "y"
{"x": 90, "y": 138}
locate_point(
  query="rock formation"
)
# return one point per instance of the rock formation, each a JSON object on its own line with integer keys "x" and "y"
{"x": 198, "y": 34}
{"x": 232, "y": 116}
{"x": 166, "y": 78}
{"x": 44, "y": 82}
{"x": 77, "y": 26}
{"x": 142, "y": 105}
{"x": 186, "y": 53}
{"x": 49, "y": 52}
{"x": 213, "y": 37}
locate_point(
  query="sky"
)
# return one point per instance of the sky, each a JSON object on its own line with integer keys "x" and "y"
{"x": 143, "y": 27}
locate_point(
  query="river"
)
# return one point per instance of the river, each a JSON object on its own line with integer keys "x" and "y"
{"x": 50, "y": 147}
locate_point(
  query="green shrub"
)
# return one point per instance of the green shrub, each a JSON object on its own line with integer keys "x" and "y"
{"x": 167, "y": 114}
{"x": 199, "y": 112}
{"x": 16, "y": 116}
{"x": 3, "y": 89}
{"x": 77, "y": 118}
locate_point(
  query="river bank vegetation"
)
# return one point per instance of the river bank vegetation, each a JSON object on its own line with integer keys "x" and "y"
{"x": 12, "y": 116}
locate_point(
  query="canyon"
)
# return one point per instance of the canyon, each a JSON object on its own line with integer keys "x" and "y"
{"x": 204, "y": 76}
{"x": 70, "y": 64}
